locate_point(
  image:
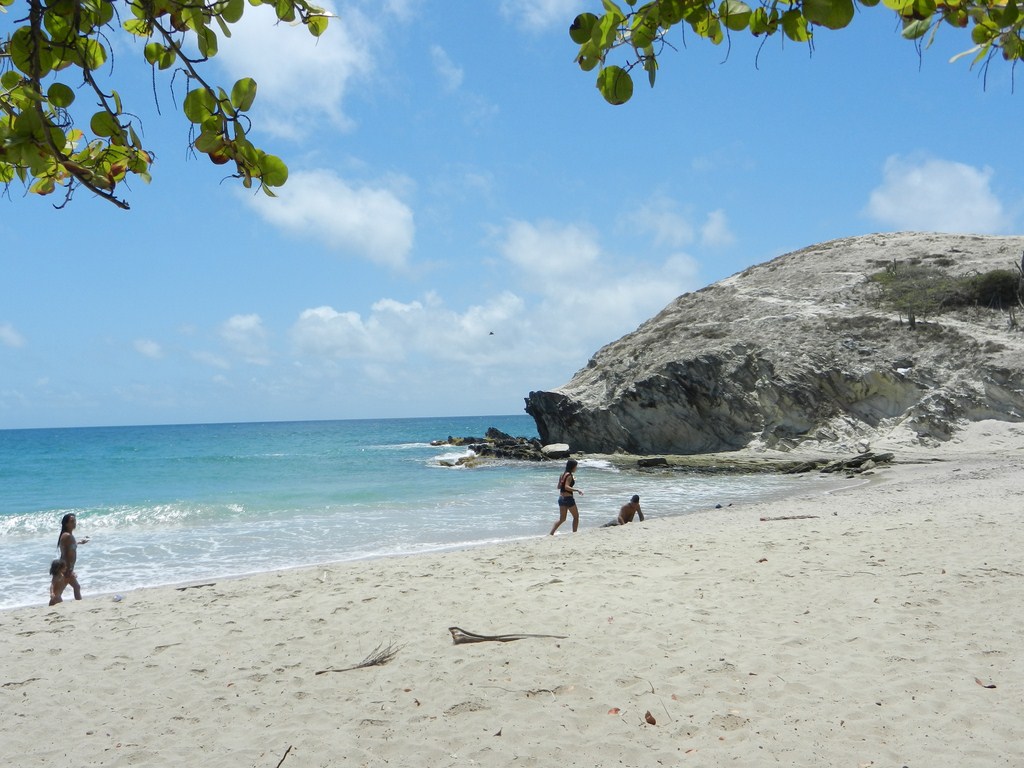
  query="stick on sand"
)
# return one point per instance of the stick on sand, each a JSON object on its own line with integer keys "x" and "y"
{"x": 460, "y": 636}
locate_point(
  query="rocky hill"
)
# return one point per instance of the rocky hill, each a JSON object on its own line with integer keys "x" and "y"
{"x": 901, "y": 335}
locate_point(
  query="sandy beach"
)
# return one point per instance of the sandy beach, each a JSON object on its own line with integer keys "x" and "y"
{"x": 877, "y": 625}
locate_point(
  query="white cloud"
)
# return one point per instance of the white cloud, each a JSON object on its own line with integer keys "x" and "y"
{"x": 396, "y": 331}
{"x": 370, "y": 222}
{"x": 450, "y": 74}
{"x": 210, "y": 359}
{"x": 541, "y": 15}
{"x": 10, "y": 337}
{"x": 589, "y": 297}
{"x": 300, "y": 76}
{"x": 663, "y": 220}
{"x": 937, "y": 196}
{"x": 548, "y": 251}
{"x": 403, "y": 10}
{"x": 149, "y": 348}
{"x": 715, "y": 232}
{"x": 323, "y": 331}
{"x": 564, "y": 297}
{"x": 247, "y": 337}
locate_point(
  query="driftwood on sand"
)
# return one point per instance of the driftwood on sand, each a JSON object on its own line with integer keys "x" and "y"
{"x": 460, "y": 636}
{"x": 378, "y": 657}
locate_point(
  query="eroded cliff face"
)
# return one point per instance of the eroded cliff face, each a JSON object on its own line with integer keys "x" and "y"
{"x": 801, "y": 349}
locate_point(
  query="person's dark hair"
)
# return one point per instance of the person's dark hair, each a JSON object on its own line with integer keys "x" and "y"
{"x": 570, "y": 465}
{"x": 57, "y": 566}
{"x": 64, "y": 526}
{"x": 635, "y": 498}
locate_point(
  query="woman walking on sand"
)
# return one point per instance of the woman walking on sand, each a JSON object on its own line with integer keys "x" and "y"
{"x": 68, "y": 546}
{"x": 566, "y": 490}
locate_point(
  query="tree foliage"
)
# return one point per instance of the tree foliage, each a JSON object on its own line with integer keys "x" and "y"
{"x": 638, "y": 32}
{"x": 57, "y": 57}
{"x": 920, "y": 290}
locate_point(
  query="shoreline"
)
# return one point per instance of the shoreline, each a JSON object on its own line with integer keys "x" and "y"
{"x": 592, "y": 521}
{"x": 881, "y": 628}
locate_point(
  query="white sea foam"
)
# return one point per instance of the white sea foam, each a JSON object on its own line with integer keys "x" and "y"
{"x": 292, "y": 495}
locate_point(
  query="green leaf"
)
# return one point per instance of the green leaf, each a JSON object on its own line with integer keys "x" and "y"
{"x": 317, "y": 25}
{"x": 285, "y": 10}
{"x": 1010, "y": 14}
{"x": 582, "y": 28}
{"x": 233, "y": 10}
{"x": 10, "y": 80}
{"x": 138, "y": 27}
{"x": 104, "y": 124}
{"x": 273, "y": 171}
{"x": 795, "y": 26}
{"x": 832, "y": 14}
{"x": 58, "y": 26}
{"x": 91, "y": 55}
{"x": 167, "y": 58}
{"x": 922, "y": 9}
{"x": 152, "y": 52}
{"x": 104, "y": 12}
{"x": 606, "y": 30}
{"x": 650, "y": 64}
{"x": 670, "y": 12}
{"x": 589, "y": 56}
{"x": 42, "y": 186}
{"x": 615, "y": 85}
{"x": 21, "y": 47}
{"x": 642, "y": 32}
{"x": 759, "y": 22}
{"x": 27, "y": 123}
{"x": 915, "y": 28}
{"x": 1011, "y": 47}
{"x": 901, "y": 7}
{"x": 199, "y": 105}
{"x": 224, "y": 28}
{"x": 982, "y": 34}
{"x": 193, "y": 17}
{"x": 60, "y": 95}
{"x": 208, "y": 141}
{"x": 243, "y": 93}
{"x": 735, "y": 14}
{"x": 207, "y": 40}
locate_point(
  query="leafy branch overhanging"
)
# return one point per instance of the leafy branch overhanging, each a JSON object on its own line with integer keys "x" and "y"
{"x": 47, "y": 144}
{"x": 639, "y": 32}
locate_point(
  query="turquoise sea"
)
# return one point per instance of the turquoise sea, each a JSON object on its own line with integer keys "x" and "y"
{"x": 176, "y": 504}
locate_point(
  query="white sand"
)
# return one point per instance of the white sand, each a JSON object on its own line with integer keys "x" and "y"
{"x": 855, "y": 638}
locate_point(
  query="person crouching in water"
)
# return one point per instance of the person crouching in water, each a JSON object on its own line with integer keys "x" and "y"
{"x": 627, "y": 512}
{"x": 566, "y": 501}
{"x": 58, "y": 581}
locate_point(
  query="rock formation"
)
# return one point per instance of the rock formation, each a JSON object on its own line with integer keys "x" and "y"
{"x": 500, "y": 445}
{"x": 808, "y": 348}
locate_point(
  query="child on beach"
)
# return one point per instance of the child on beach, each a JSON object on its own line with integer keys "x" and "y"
{"x": 58, "y": 572}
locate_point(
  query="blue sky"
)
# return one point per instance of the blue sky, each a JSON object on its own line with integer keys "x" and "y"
{"x": 466, "y": 219}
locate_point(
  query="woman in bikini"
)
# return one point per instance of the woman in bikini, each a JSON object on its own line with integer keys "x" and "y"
{"x": 68, "y": 546}
{"x": 566, "y": 501}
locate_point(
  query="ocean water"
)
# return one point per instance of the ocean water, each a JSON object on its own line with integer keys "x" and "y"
{"x": 178, "y": 504}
